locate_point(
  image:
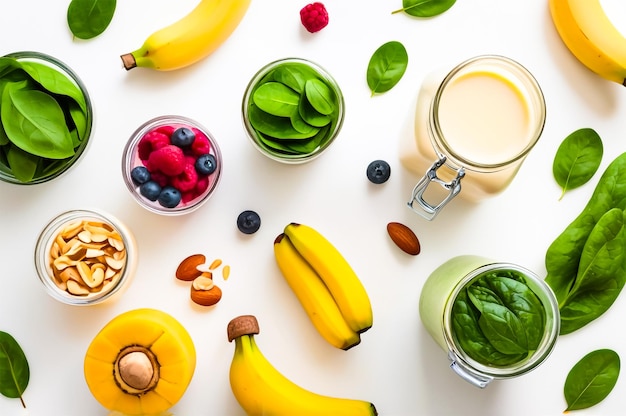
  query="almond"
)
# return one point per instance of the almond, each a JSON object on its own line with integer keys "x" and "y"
{"x": 404, "y": 238}
{"x": 206, "y": 297}
{"x": 188, "y": 269}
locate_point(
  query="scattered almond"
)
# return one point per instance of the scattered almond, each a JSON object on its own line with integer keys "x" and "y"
{"x": 188, "y": 269}
{"x": 404, "y": 238}
{"x": 206, "y": 297}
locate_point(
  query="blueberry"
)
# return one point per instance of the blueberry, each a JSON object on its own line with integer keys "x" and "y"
{"x": 150, "y": 190}
{"x": 169, "y": 197}
{"x": 248, "y": 222}
{"x": 206, "y": 164}
{"x": 140, "y": 175}
{"x": 378, "y": 171}
{"x": 183, "y": 137}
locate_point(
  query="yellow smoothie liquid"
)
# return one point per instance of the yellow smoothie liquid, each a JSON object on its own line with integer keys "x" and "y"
{"x": 485, "y": 120}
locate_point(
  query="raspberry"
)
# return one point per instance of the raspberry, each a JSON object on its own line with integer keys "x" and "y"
{"x": 169, "y": 160}
{"x": 201, "y": 144}
{"x": 186, "y": 181}
{"x": 167, "y": 130}
{"x": 151, "y": 141}
{"x": 161, "y": 178}
{"x": 314, "y": 17}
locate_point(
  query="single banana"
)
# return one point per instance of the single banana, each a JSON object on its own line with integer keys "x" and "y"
{"x": 314, "y": 296}
{"x": 336, "y": 273}
{"x": 592, "y": 38}
{"x": 191, "y": 38}
{"x": 261, "y": 389}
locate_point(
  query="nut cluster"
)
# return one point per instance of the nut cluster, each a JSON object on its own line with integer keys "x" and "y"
{"x": 203, "y": 290}
{"x": 87, "y": 257}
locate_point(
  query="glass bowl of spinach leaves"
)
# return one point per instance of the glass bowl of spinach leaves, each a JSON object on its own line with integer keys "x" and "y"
{"x": 46, "y": 117}
{"x": 293, "y": 110}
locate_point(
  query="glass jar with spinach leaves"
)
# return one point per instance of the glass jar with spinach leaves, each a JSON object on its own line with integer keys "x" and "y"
{"x": 496, "y": 320}
{"x": 46, "y": 118}
{"x": 292, "y": 110}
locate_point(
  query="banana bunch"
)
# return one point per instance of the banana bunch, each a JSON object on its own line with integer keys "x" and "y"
{"x": 590, "y": 35}
{"x": 261, "y": 389}
{"x": 326, "y": 286}
{"x": 140, "y": 363}
{"x": 191, "y": 38}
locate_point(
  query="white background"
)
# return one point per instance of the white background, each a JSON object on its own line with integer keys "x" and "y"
{"x": 396, "y": 366}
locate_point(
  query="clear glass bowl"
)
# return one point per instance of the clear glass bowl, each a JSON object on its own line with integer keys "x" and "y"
{"x": 80, "y": 116}
{"x": 293, "y": 147}
{"x": 98, "y": 241}
{"x": 194, "y": 188}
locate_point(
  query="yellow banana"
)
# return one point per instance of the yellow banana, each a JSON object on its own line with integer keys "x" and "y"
{"x": 191, "y": 38}
{"x": 336, "y": 273}
{"x": 261, "y": 389}
{"x": 314, "y": 296}
{"x": 591, "y": 37}
{"x": 140, "y": 363}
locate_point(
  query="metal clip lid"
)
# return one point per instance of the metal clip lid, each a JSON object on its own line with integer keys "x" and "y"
{"x": 453, "y": 187}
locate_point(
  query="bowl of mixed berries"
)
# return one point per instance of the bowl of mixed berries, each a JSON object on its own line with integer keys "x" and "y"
{"x": 171, "y": 165}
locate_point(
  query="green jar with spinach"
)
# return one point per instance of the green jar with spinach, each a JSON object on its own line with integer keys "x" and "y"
{"x": 496, "y": 320}
{"x": 292, "y": 110}
{"x": 46, "y": 118}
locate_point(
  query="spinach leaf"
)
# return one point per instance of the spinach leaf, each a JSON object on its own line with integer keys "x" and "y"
{"x": 276, "y": 127}
{"x": 597, "y": 283}
{"x": 89, "y": 18}
{"x": 311, "y": 115}
{"x": 276, "y": 99}
{"x": 591, "y": 379}
{"x": 497, "y": 319}
{"x": 386, "y": 67}
{"x": 577, "y": 159}
{"x": 290, "y": 76}
{"x": 14, "y": 369}
{"x": 54, "y": 82}
{"x": 23, "y": 164}
{"x": 319, "y": 96}
{"x": 425, "y": 8}
{"x": 35, "y": 122}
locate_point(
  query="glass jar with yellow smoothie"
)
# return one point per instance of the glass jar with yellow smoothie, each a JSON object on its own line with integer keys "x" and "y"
{"x": 474, "y": 127}
{"x": 495, "y": 320}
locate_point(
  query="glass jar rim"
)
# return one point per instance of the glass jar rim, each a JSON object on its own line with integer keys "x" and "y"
{"x": 44, "y": 243}
{"x": 285, "y": 158}
{"x": 80, "y": 150}
{"x": 439, "y": 143}
{"x": 548, "y": 341}
{"x": 132, "y": 143}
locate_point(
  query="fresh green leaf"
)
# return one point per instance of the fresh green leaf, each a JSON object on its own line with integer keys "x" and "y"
{"x": 55, "y": 82}
{"x": 23, "y": 164}
{"x": 591, "y": 379}
{"x": 320, "y": 96}
{"x": 311, "y": 115}
{"x": 14, "y": 369}
{"x": 290, "y": 76}
{"x": 35, "y": 123}
{"x": 387, "y": 66}
{"x": 276, "y": 99}
{"x": 276, "y": 127}
{"x": 577, "y": 159}
{"x": 597, "y": 282}
{"x": 425, "y": 8}
{"x": 498, "y": 320}
{"x": 89, "y": 18}
{"x": 588, "y": 255}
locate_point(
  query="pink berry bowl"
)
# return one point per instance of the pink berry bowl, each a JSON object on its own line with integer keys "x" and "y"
{"x": 171, "y": 165}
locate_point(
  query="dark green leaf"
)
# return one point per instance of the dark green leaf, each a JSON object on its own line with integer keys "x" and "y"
{"x": 290, "y": 76}
{"x": 276, "y": 99}
{"x": 89, "y": 18}
{"x": 597, "y": 283}
{"x": 276, "y": 127}
{"x": 591, "y": 379}
{"x": 425, "y": 8}
{"x": 320, "y": 96}
{"x": 563, "y": 256}
{"x": 34, "y": 122}
{"x": 55, "y": 82}
{"x": 386, "y": 67}
{"x": 14, "y": 370}
{"x": 577, "y": 159}
{"x": 23, "y": 164}
{"x": 311, "y": 115}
